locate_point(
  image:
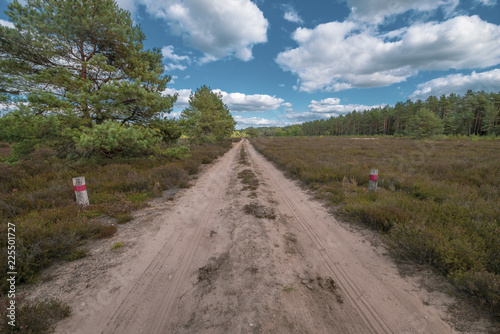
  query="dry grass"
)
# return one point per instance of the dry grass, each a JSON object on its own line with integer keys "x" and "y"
{"x": 437, "y": 203}
{"x": 243, "y": 157}
{"x": 259, "y": 211}
{"x": 248, "y": 178}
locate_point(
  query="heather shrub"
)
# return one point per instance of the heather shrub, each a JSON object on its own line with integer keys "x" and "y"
{"x": 437, "y": 201}
{"x": 37, "y": 195}
{"x": 33, "y": 316}
{"x": 45, "y": 235}
{"x": 192, "y": 166}
{"x": 206, "y": 160}
{"x": 482, "y": 285}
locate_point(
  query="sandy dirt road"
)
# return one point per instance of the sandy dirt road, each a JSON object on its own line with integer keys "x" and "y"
{"x": 245, "y": 250}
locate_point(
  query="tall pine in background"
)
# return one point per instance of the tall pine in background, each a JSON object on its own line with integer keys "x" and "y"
{"x": 207, "y": 118}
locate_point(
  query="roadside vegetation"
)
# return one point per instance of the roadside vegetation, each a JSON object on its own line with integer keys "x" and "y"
{"x": 36, "y": 194}
{"x": 34, "y": 316}
{"x": 437, "y": 200}
{"x": 87, "y": 99}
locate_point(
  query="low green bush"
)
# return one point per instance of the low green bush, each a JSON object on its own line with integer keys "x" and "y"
{"x": 178, "y": 152}
{"x": 117, "y": 245}
{"x": 111, "y": 139}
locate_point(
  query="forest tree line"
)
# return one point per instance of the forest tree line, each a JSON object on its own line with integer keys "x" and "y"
{"x": 475, "y": 113}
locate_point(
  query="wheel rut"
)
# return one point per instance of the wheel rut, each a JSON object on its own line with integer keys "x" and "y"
{"x": 245, "y": 250}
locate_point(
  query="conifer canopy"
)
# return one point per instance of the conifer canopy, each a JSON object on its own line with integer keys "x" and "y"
{"x": 83, "y": 58}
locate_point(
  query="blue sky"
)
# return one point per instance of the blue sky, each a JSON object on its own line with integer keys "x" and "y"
{"x": 281, "y": 63}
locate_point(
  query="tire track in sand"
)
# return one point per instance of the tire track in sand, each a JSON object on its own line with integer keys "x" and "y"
{"x": 257, "y": 283}
{"x": 373, "y": 322}
{"x": 148, "y": 306}
{"x": 378, "y": 316}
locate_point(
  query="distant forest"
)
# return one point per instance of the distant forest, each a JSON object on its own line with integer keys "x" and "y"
{"x": 475, "y": 113}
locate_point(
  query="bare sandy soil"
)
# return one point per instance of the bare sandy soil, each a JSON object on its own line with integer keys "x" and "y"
{"x": 244, "y": 250}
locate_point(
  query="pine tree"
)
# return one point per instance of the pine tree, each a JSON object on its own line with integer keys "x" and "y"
{"x": 425, "y": 123}
{"x": 490, "y": 119}
{"x": 207, "y": 119}
{"x": 81, "y": 58}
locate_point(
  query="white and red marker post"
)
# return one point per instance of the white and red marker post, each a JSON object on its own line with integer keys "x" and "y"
{"x": 80, "y": 191}
{"x": 373, "y": 183}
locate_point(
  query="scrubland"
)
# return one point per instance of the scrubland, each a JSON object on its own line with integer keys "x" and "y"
{"x": 438, "y": 202}
{"x": 36, "y": 194}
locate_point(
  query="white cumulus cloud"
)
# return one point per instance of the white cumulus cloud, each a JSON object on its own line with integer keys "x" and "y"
{"x": 236, "y": 102}
{"x": 168, "y": 53}
{"x": 130, "y": 5}
{"x": 239, "y": 102}
{"x": 174, "y": 61}
{"x": 217, "y": 28}
{"x": 336, "y": 56}
{"x": 182, "y": 97}
{"x": 292, "y": 15}
{"x": 170, "y": 67}
{"x": 326, "y": 108}
{"x": 6, "y": 23}
{"x": 376, "y": 11}
{"x": 459, "y": 84}
{"x": 332, "y": 105}
{"x": 245, "y": 122}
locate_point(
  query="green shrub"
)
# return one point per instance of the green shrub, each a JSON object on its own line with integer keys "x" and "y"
{"x": 124, "y": 218}
{"x": 178, "y": 152}
{"x": 28, "y": 130}
{"x": 117, "y": 245}
{"x": 111, "y": 139}
{"x": 168, "y": 128}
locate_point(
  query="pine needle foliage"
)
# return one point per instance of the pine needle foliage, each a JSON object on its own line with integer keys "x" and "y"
{"x": 83, "y": 58}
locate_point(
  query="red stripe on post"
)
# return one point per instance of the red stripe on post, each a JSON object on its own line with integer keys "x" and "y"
{"x": 80, "y": 188}
{"x": 373, "y": 177}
